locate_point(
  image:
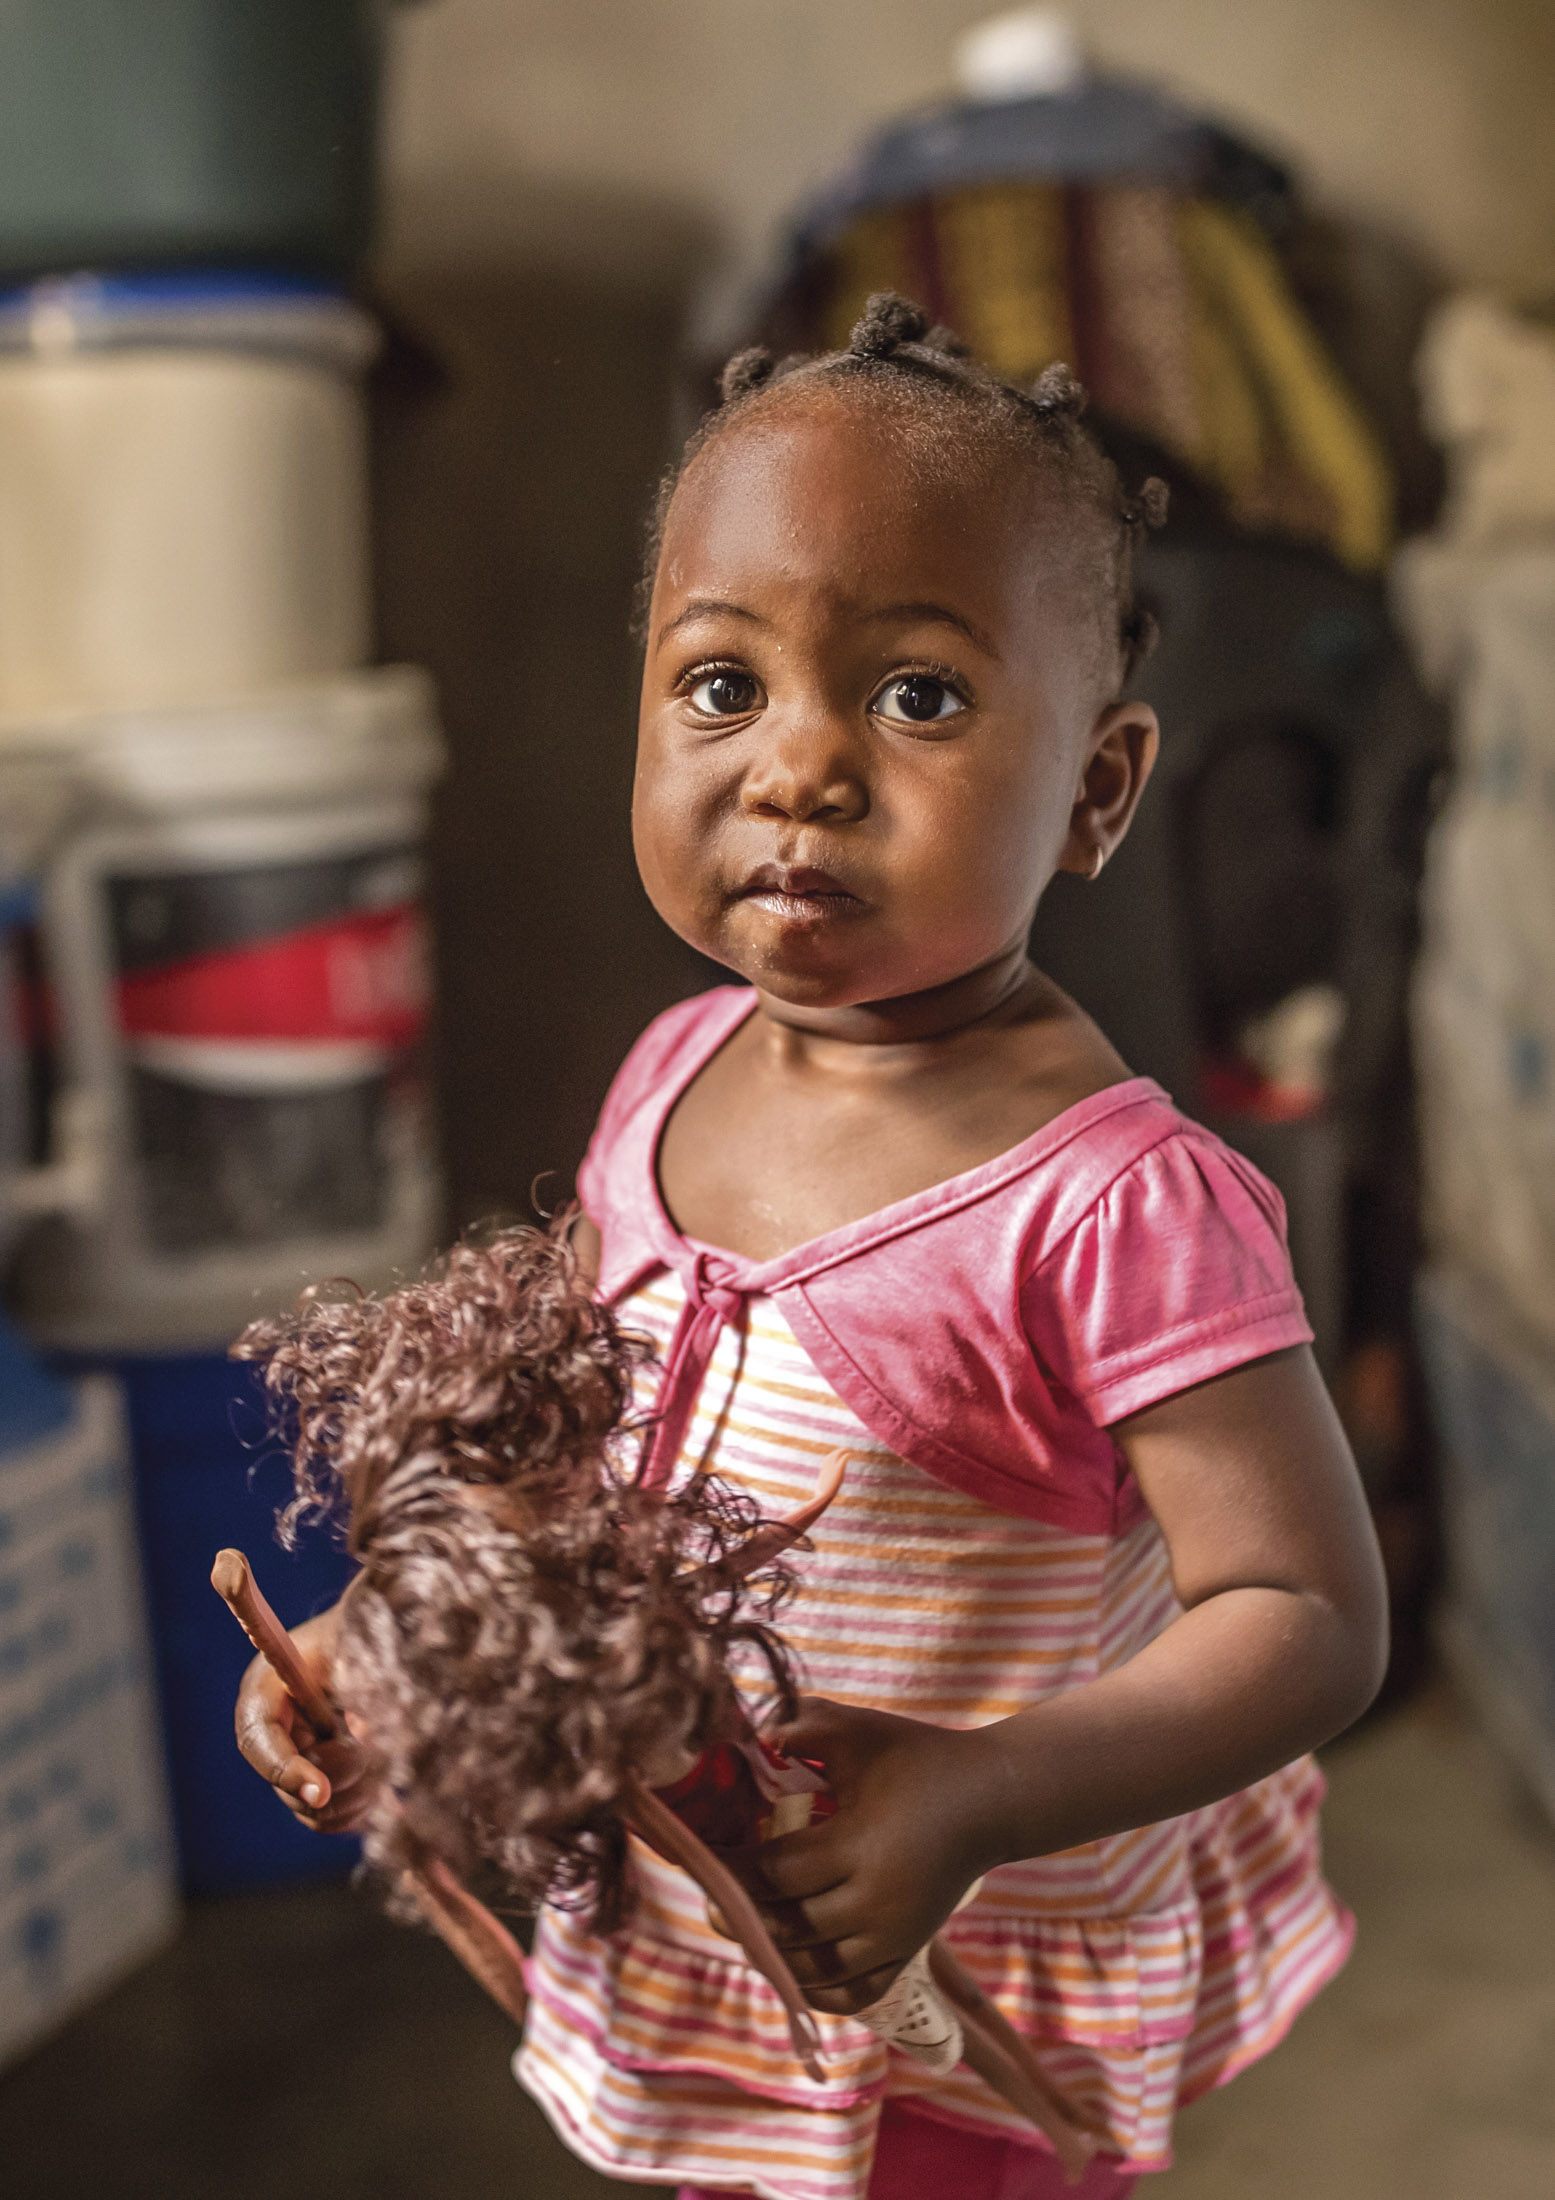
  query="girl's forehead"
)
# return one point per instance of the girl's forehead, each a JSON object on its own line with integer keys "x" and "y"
{"x": 893, "y": 449}
{"x": 819, "y": 486}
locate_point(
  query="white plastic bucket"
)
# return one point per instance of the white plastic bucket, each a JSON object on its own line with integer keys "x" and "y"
{"x": 236, "y": 950}
{"x": 183, "y": 497}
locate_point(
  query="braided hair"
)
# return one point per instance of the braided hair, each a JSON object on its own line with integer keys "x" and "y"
{"x": 894, "y": 354}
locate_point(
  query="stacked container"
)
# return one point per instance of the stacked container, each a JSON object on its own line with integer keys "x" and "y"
{"x": 86, "y": 1854}
{"x": 219, "y": 1005}
{"x": 234, "y": 982}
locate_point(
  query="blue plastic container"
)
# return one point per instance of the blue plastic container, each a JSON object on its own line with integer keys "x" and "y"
{"x": 34, "y": 1403}
{"x": 205, "y": 1478}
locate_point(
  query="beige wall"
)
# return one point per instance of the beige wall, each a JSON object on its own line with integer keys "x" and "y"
{"x": 544, "y": 121}
{"x": 565, "y": 176}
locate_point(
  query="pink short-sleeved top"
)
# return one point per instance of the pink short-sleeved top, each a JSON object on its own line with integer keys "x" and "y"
{"x": 991, "y": 1328}
{"x": 967, "y": 1347}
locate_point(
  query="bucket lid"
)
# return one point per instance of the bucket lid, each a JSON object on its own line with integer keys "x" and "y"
{"x": 196, "y": 309}
{"x": 360, "y": 732}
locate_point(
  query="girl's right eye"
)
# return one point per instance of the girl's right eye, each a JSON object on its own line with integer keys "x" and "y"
{"x": 726, "y": 693}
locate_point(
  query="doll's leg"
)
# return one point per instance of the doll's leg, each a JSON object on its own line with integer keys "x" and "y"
{"x": 919, "y": 2158}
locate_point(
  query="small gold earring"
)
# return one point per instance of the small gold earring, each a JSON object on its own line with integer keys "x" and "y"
{"x": 1098, "y": 858}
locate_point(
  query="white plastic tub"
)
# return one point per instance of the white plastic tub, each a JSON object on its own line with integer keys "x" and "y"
{"x": 234, "y": 937}
{"x": 183, "y": 497}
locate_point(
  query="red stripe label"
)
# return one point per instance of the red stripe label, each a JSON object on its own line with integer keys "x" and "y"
{"x": 363, "y": 976}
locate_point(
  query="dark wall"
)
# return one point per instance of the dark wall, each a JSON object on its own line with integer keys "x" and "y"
{"x": 521, "y": 418}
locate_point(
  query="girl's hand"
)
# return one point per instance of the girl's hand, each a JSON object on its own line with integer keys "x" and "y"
{"x": 1281, "y": 1642}
{"x": 850, "y": 1901}
{"x": 321, "y": 1783}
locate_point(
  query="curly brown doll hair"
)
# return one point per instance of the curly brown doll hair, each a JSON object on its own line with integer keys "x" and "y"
{"x": 530, "y": 1626}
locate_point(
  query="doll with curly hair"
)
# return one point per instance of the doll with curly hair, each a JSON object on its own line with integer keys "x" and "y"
{"x": 542, "y": 1649}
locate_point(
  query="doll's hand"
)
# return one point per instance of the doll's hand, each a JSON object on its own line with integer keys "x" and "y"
{"x": 323, "y": 1784}
{"x": 853, "y": 1899}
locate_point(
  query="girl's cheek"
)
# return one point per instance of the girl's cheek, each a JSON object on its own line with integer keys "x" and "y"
{"x": 675, "y": 831}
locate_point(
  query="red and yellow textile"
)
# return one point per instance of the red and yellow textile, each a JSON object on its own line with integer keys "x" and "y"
{"x": 1173, "y": 310}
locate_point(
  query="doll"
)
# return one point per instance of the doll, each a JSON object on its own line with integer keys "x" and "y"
{"x": 539, "y": 1651}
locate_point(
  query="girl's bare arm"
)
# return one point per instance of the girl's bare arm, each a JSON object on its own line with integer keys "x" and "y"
{"x": 1283, "y": 1638}
{"x": 1281, "y": 1644}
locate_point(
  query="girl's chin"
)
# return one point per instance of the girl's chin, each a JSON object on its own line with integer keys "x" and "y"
{"x": 800, "y": 971}
{"x": 800, "y": 975}
{"x": 817, "y": 967}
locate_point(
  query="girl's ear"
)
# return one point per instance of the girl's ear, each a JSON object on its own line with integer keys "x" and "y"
{"x": 1120, "y": 757}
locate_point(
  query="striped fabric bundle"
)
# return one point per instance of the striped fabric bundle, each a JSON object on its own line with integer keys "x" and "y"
{"x": 1148, "y": 1968}
{"x": 1174, "y": 311}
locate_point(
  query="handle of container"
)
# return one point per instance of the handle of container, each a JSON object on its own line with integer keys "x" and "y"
{"x": 73, "y": 1183}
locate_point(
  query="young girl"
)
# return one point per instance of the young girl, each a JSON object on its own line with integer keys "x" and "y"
{"x": 1101, "y": 1570}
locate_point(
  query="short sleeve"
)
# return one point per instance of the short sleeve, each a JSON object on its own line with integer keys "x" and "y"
{"x": 1176, "y": 1273}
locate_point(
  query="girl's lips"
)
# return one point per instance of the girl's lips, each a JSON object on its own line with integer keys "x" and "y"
{"x": 799, "y": 896}
{"x": 808, "y": 909}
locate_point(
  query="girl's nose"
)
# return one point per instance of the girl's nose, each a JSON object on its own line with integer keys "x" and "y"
{"x": 808, "y": 775}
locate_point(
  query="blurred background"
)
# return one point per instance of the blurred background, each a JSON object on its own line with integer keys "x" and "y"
{"x": 341, "y": 343}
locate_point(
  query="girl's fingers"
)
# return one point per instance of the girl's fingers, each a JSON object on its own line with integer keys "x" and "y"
{"x": 321, "y": 1787}
{"x": 330, "y": 1796}
{"x": 299, "y": 1778}
{"x": 817, "y": 1732}
{"x": 832, "y": 1964}
{"x": 822, "y": 1943}
{"x": 858, "y": 1993}
{"x": 340, "y": 1769}
{"x": 268, "y": 1737}
{"x": 267, "y": 1722}
{"x": 321, "y": 1783}
{"x": 819, "y": 1921}
{"x": 272, "y": 1749}
{"x": 796, "y": 1865}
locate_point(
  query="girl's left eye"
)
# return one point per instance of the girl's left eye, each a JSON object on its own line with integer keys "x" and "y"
{"x": 917, "y": 699}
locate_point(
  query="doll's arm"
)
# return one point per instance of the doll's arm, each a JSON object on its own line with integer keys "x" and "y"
{"x": 1281, "y": 1644}
{"x": 652, "y": 1820}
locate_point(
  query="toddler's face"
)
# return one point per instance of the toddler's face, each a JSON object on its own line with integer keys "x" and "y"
{"x": 868, "y": 702}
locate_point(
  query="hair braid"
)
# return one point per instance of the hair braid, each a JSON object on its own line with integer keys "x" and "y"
{"x": 745, "y": 372}
{"x": 892, "y": 346}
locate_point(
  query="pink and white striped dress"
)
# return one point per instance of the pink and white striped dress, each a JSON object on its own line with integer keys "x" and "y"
{"x": 1148, "y": 1967}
